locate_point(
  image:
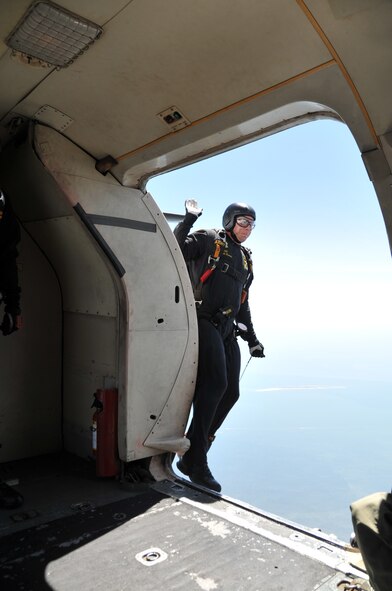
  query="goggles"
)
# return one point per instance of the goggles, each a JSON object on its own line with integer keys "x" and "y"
{"x": 244, "y": 222}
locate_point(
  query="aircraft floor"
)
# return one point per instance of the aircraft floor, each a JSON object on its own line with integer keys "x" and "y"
{"x": 104, "y": 536}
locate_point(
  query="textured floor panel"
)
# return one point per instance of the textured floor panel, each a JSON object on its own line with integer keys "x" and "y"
{"x": 89, "y": 534}
{"x": 184, "y": 549}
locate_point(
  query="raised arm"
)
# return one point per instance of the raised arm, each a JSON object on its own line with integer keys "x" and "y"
{"x": 190, "y": 245}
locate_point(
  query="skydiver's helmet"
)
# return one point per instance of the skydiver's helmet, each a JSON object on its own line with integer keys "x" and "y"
{"x": 235, "y": 210}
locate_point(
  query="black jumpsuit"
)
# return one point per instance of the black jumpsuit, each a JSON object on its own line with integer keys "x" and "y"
{"x": 217, "y": 385}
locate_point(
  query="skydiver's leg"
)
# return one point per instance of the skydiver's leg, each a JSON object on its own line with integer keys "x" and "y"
{"x": 210, "y": 387}
{"x": 232, "y": 393}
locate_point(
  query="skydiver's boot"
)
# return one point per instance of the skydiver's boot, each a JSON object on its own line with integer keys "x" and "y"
{"x": 183, "y": 466}
{"x": 202, "y": 475}
{"x": 199, "y": 474}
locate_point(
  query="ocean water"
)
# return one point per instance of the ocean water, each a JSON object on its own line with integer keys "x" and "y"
{"x": 305, "y": 452}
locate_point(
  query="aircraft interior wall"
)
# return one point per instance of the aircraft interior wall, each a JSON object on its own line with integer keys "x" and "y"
{"x": 122, "y": 294}
{"x": 379, "y": 166}
{"x": 67, "y": 347}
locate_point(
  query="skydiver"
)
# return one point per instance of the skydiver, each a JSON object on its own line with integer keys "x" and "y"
{"x": 220, "y": 268}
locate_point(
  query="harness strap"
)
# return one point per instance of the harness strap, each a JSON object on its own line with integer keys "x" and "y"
{"x": 213, "y": 260}
{"x": 240, "y": 276}
{"x": 248, "y": 256}
{"x": 244, "y": 276}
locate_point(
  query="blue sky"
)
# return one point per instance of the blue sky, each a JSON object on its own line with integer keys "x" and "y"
{"x": 323, "y": 271}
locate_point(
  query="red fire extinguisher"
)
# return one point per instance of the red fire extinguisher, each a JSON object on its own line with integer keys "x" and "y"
{"x": 104, "y": 432}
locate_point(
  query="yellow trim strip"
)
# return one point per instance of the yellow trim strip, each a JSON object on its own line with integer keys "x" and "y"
{"x": 342, "y": 67}
{"x": 231, "y": 106}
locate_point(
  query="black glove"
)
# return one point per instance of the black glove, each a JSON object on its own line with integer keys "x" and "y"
{"x": 8, "y": 325}
{"x": 257, "y": 350}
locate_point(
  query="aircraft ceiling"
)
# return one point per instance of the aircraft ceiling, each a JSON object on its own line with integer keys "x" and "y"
{"x": 236, "y": 70}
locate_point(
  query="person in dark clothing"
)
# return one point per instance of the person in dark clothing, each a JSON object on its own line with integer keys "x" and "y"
{"x": 220, "y": 269}
{"x": 9, "y": 283}
{"x": 372, "y": 520}
{"x": 10, "y": 296}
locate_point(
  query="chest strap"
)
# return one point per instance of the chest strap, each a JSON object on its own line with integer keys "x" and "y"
{"x": 238, "y": 275}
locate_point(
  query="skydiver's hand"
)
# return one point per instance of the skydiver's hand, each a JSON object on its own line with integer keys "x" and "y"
{"x": 257, "y": 350}
{"x": 11, "y": 323}
{"x": 191, "y": 206}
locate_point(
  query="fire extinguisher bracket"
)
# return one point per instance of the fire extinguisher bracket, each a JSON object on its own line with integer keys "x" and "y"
{"x": 97, "y": 403}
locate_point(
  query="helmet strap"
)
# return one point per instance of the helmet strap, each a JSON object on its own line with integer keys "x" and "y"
{"x": 231, "y": 235}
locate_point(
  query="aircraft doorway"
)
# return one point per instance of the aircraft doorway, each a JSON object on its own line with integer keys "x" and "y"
{"x": 310, "y": 432}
